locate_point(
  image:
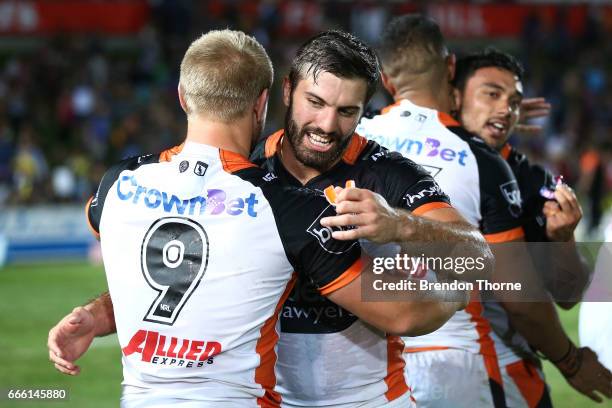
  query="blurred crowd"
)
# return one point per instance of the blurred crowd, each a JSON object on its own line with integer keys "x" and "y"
{"x": 77, "y": 103}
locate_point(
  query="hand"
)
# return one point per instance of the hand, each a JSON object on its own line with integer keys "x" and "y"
{"x": 532, "y": 108}
{"x": 70, "y": 339}
{"x": 368, "y": 212}
{"x": 562, "y": 215}
{"x": 591, "y": 376}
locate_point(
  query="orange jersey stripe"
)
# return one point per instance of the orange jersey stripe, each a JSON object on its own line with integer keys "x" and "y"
{"x": 347, "y": 277}
{"x": 447, "y": 120}
{"x": 420, "y": 210}
{"x": 268, "y": 337}
{"x": 505, "y": 236}
{"x": 395, "y": 380}
{"x": 272, "y": 143}
{"x": 166, "y": 155}
{"x": 487, "y": 346}
{"x": 354, "y": 149}
{"x": 91, "y": 228}
{"x": 389, "y": 107}
{"x": 233, "y": 162}
{"x": 505, "y": 151}
{"x": 527, "y": 380}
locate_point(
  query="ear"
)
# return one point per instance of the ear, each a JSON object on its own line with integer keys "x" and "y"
{"x": 261, "y": 106}
{"x": 451, "y": 64}
{"x": 387, "y": 83}
{"x": 181, "y": 95}
{"x": 286, "y": 91}
{"x": 457, "y": 99}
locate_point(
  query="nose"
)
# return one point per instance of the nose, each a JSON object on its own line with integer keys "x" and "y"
{"x": 327, "y": 120}
{"x": 504, "y": 107}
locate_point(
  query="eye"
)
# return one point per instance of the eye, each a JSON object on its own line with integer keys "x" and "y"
{"x": 347, "y": 113}
{"x": 315, "y": 102}
{"x": 493, "y": 94}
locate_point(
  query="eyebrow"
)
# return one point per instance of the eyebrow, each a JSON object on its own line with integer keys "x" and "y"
{"x": 500, "y": 88}
{"x": 318, "y": 98}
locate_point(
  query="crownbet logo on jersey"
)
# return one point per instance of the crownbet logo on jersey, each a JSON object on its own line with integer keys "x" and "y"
{"x": 214, "y": 203}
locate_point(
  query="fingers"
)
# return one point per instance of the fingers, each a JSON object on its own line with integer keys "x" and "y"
{"x": 63, "y": 365}
{"x": 529, "y": 130}
{"x": 343, "y": 220}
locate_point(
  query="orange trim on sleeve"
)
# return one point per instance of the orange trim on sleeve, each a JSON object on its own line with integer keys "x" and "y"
{"x": 268, "y": 337}
{"x": 354, "y": 149}
{"x": 589, "y": 161}
{"x": 395, "y": 380}
{"x": 421, "y": 349}
{"x": 527, "y": 380}
{"x": 166, "y": 155}
{"x": 272, "y": 143}
{"x": 233, "y": 162}
{"x": 505, "y": 151}
{"x": 505, "y": 236}
{"x": 91, "y": 228}
{"x": 422, "y": 209}
{"x": 389, "y": 107}
{"x": 447, "y": 120}
{"x": 341, "y": 281}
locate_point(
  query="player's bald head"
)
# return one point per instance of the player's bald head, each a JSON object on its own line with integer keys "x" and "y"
{"x": 412, "y": 51}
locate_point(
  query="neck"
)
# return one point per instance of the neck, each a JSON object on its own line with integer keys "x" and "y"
{"x": 235, "y": 136}
{"x": 440, "y": 100}
{"x": 291, "y": 163}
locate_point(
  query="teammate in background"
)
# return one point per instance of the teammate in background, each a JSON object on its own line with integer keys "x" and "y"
{"x": 334, "y": 122}
{"x": 488, "y": 97}
{"x": 456, "y": 365}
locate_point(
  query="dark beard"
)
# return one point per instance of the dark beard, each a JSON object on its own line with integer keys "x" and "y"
{"x": 320, "y": 161}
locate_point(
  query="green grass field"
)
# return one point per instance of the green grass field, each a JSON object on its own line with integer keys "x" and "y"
{"x": 35, "y": 297}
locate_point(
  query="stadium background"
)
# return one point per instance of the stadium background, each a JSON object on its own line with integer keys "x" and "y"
{"x": 86, "y": 83}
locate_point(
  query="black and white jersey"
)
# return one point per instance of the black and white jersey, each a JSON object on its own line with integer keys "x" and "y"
{"x": 326, "y": 356}
{"x": 201, "y": 248}
{"x": 481, "y": 187}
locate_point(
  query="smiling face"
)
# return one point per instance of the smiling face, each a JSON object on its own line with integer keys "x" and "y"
{"x": 489, "y": 104}
{"x": 322, "y": 116}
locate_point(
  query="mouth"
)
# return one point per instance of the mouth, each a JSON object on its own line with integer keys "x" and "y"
{"x": 497, "y": 128}
{"x": 318, "y": 142}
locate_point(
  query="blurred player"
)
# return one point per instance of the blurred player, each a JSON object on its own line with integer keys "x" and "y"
{"x": 489, "y": 94}
{"x": 456, "y": 365}
{"x": 80, "y": 326}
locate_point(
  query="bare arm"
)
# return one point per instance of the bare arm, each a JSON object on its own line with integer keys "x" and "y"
{"x": 513, "y": 265}
{"x": 417, "y": 314}
{"x": 70, "y": 338}
{"x": 440, "y": 232}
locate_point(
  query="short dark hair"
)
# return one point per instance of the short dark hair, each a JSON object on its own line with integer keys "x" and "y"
{"x": 339, "y": 53}
{"x": 411, "y": 43}
{"x": 489, "y": 57}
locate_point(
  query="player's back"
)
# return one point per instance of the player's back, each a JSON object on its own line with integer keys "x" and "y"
{"x": 481, "y": 187}
{"x": 197, "y": 251}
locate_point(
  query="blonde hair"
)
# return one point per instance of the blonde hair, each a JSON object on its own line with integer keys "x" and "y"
{"x": 222, "y": 74}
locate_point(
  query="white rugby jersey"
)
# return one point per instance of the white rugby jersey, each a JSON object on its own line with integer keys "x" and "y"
{"x": 200, "y": 248}
{"x": 481, "y": 187}
{"x": 326, "y": 355}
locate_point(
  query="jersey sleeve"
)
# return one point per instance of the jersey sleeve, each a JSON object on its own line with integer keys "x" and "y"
{"x": 409, "y": 186}
{"x": 501, "y": 202}
{"x": 532, "y": 178}
{"x": 327, "y": 263}
{"x": 95, "y": 205}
